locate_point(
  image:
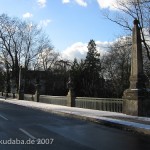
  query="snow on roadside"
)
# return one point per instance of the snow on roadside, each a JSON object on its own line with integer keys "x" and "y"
{"x": 95, "y": 114}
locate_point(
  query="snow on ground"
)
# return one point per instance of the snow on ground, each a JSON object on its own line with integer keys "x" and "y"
{"x": 95, "y": 114}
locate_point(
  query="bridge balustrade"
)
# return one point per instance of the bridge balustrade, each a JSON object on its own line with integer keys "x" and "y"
{"x": 104, "y": 104}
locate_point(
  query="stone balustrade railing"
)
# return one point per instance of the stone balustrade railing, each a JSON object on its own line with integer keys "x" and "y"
{"x": 57, "y": 100}
{"x": 105, "y": 104}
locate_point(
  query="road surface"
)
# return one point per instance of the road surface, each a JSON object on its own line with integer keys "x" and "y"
{"x": 23, "y": 128}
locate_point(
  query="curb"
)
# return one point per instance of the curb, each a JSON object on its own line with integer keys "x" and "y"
{"x": 107, "y": 123}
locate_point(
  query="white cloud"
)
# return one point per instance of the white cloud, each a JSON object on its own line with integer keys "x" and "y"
{"x": 27, "y": 15}
{"x": 41, "y": 3}
{"x": 65, "y": 1}
{"x": 111, "y": 4}
{"x": 44, "y": 22}
{"x": 79, "y": 50}
{"x": 81, "y": 3}
{"x": 102, "y": 47}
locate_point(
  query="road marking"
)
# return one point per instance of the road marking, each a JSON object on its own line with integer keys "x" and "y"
{"x": 28, "y": 134}
{"x": 3, "y": 117}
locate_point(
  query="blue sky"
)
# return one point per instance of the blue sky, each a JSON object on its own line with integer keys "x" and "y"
{"x": 70, "y": 24}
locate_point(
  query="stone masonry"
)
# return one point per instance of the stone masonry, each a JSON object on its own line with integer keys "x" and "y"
{"x": 135, "y": 99}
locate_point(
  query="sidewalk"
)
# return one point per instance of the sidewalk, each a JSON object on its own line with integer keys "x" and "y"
{"x": 133, "y": 123}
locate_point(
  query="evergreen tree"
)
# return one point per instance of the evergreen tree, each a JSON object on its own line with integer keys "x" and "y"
{"x": 77, "y": 71}
{"x": 92, "y": 61}
{"x": 86, "y": 74}
{"x": 92, "y": 77}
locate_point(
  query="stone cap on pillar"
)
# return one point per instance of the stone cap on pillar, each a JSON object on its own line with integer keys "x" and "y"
{"x": 70, "y": 84}
{"x": 136, "y": 21}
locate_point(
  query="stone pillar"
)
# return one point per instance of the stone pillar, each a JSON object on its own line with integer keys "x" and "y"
{"x": 71, "y": 95}
{"x": 6, "y": 89}
{"x": 71, "y": 98}
{"x": 20, "y": 90}
{"x": 37, "y": 93}
{"x": 13, "y": 88}
{"x": 135, "y": 98}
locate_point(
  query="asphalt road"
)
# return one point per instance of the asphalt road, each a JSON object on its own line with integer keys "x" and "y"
{"x": 22, "y": 128}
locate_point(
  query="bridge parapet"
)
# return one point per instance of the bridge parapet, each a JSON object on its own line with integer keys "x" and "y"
{"x": 104, "y": 104}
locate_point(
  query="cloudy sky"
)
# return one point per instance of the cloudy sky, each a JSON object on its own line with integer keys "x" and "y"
{"x": 70, "y": 24}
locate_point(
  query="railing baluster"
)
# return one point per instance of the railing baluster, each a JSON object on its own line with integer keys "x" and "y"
{"x": 105, "y": 104}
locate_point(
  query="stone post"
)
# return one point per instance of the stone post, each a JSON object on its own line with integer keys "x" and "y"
{"x": 135, "y": 98}
{"x": 20, "y": 90}
{"x": 13, "y": 87}
{"x": 6, "y": 89}
{"x": 37, "y": 93}
{"x": 71, "y": 95}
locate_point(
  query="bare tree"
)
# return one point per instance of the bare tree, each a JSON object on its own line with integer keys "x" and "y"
{"x": 116, "y": 66}
{"x": 20, "y": 43}
{"x": 129, "y": 10}
{"x": 46, "y": 59}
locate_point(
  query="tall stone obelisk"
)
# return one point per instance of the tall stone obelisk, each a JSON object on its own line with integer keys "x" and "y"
{"x": 135, "y": 98}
